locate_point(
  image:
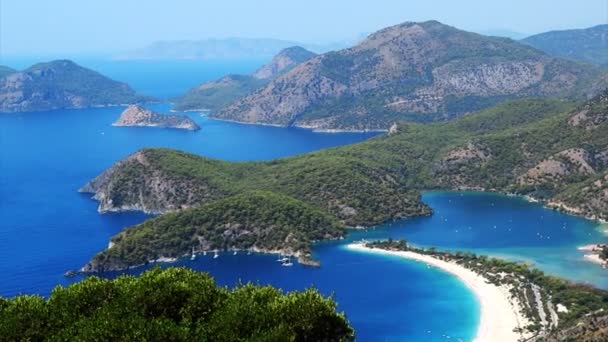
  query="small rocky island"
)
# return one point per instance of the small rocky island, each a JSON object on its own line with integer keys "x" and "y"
{"x": 135, "y": 115}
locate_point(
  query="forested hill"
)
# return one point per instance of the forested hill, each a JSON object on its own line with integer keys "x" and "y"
{"x": 259, "y": 221}
{"x": 61, "y": 84}
{"x": 554, "y": 150}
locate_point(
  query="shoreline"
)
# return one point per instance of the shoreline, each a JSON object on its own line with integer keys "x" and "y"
{"x": 500, "y": 315}
{"x": 558, "y": 206}
{"x": 312, "y": 129}
{"x": 592, "y": 254}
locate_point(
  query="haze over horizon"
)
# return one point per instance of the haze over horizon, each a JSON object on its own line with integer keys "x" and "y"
{"x": 70, "y": 26}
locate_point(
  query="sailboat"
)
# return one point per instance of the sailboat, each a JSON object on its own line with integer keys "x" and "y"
{"x": 287, "y": 262}
{"x": 193, "y": 257}
{"x": 215, "y": 254}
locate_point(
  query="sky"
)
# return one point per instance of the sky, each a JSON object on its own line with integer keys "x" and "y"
{"x": 38, "y": 27}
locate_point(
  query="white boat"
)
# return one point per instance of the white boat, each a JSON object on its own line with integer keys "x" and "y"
{"x": 204, "y": 252}
{"x": 215, "y": 254}
{"x": 234, "y": 253}
{"x": 193, "y": 257}
{"x": 287, "y": 262}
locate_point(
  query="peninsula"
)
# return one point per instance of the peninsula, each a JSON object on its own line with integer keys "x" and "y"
{"x": 135, "y": 115}
{"x": 539, "y": 148}
{"x": 518, "y": 303}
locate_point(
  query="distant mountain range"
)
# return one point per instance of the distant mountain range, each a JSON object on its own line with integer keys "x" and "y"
{"x": 229, "y": 48}
{"x": 60, "y": 84}
{"x": 218, "y": 94}
{"x": 413, "y": 71}
{"x": 588, "y": 45}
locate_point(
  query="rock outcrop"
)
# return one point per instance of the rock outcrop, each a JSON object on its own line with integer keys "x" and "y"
{"x": 135, "y": 115}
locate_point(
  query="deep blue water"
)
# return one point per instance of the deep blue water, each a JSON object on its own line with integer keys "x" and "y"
{"x": 46, "y": 227}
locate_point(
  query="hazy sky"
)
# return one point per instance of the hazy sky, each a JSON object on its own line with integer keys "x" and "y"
{"x": 69, "y": 26}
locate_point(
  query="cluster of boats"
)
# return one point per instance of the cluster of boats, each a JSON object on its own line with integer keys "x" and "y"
{"x": 284, "y": 260}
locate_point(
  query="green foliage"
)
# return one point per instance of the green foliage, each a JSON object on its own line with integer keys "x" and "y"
{"x": 218, "y": 94}
{"x": 261, "y": 220}
{"x": 362, "y": 184}
{"x": 175, "y": 304}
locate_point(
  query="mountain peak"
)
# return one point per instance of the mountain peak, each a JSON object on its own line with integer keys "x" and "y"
{"x": 412, "y": 71}
{"x": 284, "y": 61}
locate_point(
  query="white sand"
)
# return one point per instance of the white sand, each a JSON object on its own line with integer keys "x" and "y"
{"x": 594, "y": 258}
{"x": 591, "y": 247}
{"x": 500, "y": 314}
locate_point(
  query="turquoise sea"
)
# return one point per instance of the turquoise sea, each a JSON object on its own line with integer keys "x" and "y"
{"x": 47, "y": 227}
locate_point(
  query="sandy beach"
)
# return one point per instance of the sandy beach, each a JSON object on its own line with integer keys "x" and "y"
{"x": 500, "y": 314}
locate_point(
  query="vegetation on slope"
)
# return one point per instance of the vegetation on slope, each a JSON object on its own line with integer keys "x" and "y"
{"x": 539, "y": 147}
{"x": 587, "y": 45}
{"x": 217, "y": 94}
{"x": 61, "y": 84}
{"x": 261, "y": 221}
{"x": 175, "y": 304}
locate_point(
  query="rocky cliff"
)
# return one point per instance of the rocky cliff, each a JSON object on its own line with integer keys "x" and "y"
{"x": 135, "y": 115}
{"x": 416, "y": 71}
{"x": 61, "y": 84}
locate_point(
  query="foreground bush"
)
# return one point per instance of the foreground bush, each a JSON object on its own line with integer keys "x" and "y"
{"x": 175, "y": 304}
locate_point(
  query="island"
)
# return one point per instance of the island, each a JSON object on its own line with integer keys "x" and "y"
{"x": 135, "y": 115}
{"x": 175, "y": 304}
{"x": 518, "y": 303}
{"x": 62, "y": 84}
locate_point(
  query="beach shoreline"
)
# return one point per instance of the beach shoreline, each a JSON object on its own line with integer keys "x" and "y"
{"x": 500, "y": 314}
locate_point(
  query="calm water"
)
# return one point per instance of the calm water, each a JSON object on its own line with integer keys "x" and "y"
{"x": 48, "y": 228}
